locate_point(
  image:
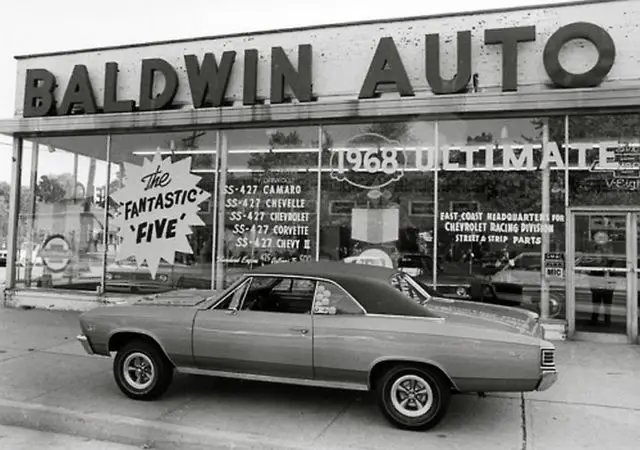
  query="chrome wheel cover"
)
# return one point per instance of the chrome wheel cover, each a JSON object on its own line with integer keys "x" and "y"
{"x": 138, "y": 371}
{"x": 411, "y": 396}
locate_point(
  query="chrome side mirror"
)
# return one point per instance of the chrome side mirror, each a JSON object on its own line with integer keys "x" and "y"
{"x": 232, "y": 311}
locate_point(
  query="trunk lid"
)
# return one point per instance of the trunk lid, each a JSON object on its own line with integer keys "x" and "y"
{"x": 484, "y": 315}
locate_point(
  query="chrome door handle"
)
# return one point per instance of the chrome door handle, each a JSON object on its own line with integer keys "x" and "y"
{"x": 300, "y": 330}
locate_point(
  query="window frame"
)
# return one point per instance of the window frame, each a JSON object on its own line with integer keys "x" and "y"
{"x": 231, "y": 292}
{"x": 350, "y": 297}
{"x": 316, "y": 280}
{"x": 292, "y": 279}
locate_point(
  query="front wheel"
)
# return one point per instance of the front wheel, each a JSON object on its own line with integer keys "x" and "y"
{"x": 142, "y": 371}
{"x": 413, "y": 398}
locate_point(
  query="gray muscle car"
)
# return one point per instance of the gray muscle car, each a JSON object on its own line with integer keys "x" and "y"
{"x": 328, "y": 324}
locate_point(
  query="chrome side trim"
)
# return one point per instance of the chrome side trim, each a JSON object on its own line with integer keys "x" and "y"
{"x": 431, "y": 319}
{"x": 86, "y": 345}
{"x": 273, "y": 379}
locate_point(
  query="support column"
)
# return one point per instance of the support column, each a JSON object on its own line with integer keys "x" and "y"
{"x": 33, "y": 185}
{"x": 436, "y": 170}
{"x": 319, "y": 189}
{"x": 214, "y": 214}
{"x": 105, "y": 225}
{"x": 223, "y": 146}
{"x": 14, "y": 210}
{"x": 546, "y": 213}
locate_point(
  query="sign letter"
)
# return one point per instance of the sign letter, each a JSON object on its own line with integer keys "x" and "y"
{"x": 111, "y": 102}
{"x": 579, "y": 30}
{"x": 282, "y": 73}
{"x": 509, "y": 38}
{"x": 79, "y": 92}
{"x": 463, "y": 74}
{"x": 386, "y": 68}
{"x": 149, "y": 68}
{"x": 250, "y": 87}
{"x": 209, "y": 82}
{"x": 38, "y": 93}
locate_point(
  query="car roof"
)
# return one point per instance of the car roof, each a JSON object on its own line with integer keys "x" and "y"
{"x": 369, "y": 285}
{"x": 327, "y": 269}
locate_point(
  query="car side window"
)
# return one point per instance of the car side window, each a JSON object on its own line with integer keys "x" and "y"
{"x": 410, "y": 290}
{"x": 331, "y": 299}
{"x": 233, "y": 299}
{"x": 281, "y": 295}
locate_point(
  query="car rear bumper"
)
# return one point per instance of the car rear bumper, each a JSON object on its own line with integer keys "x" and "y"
{"x": 86, "y": 345}
{"x": 547, "y": 380}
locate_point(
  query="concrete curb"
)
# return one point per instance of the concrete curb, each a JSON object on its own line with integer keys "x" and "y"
{"x": 146, "y": 434}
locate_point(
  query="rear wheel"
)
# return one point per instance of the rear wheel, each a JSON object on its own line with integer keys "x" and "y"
{"x": 413, "y": 397}
{"x": 142, "y": 371}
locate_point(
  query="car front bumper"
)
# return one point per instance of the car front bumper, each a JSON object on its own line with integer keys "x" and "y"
{"x": 547, "y": 380}
{"x": 86, "y": 345}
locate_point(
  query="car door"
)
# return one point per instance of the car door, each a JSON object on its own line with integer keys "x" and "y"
{"x": 263, "y": 327}
{"x": 342, "y": 338}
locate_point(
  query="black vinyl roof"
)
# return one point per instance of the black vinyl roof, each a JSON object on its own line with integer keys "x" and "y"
{"x": 327, "y": 269}
{"x": 369, "y": 285}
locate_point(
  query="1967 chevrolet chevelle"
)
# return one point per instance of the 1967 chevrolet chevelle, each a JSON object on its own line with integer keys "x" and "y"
{"x": 327, "y": 324}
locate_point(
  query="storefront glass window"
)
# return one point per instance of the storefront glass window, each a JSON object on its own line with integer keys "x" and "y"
{"x": 377, "y": 202}
{"x": 604, "y": 161}
{"x": 605, "y": 173}
{"x": 501, "y": 208}
{"x": 162, "y": 212}
{"x": 61, "y": 218}
{"x": 268, "y": 199}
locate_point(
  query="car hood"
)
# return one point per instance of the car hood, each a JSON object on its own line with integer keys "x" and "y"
{"x": 450, "y": 278}
{"x": 482, "y": 315}
{"x": 457, "y": 278}
{"x": 181, "y": 297}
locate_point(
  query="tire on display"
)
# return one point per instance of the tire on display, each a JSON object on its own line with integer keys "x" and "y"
{"x": 555, "y": 306}
{"x": 412, "y": 397}
{"x": 142, "y": 371}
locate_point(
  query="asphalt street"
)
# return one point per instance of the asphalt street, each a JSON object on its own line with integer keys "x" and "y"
{"x": 48, "y": 383}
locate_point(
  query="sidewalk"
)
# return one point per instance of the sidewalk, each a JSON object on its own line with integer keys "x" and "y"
{"x": 47, "y": 382}
{"x": 18, "y": 438}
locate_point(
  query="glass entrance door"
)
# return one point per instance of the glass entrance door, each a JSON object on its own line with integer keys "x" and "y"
{"x": 603, "y": 270}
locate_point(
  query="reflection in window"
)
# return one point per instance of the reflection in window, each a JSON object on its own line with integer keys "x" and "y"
{"x": 270, "y": 195}
{"x": 377, "y": 193}
{"x": 614, "y": 179}
{"x": 192, "y": 263}
{"x": 60, "y": 242}
{"x": 331, "y": 300}
{"x": 526, "y": 261}
{"x": 277, "y": 295}
{"x": 490, "y": 222}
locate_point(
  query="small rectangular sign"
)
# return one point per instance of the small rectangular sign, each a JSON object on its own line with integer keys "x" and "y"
{"x": 554, "y": 265}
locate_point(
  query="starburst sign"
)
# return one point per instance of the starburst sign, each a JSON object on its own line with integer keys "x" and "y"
{"x": 157, "y": 207}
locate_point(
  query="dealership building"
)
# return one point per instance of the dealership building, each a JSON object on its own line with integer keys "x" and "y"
{"x": 493, "y": 154}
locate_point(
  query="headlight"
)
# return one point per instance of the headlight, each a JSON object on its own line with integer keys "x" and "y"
{"x": 461, "y": 291}
{"x": 108, "y": 276}
{"x": 163, "y": 278}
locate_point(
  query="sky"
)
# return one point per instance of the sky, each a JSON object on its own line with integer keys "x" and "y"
{"x": 37, "y": 26}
